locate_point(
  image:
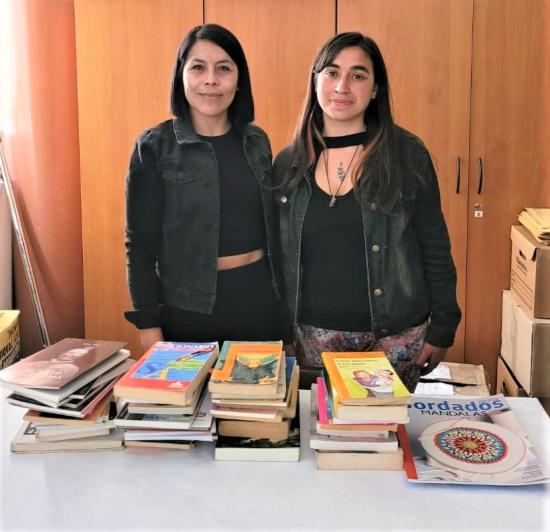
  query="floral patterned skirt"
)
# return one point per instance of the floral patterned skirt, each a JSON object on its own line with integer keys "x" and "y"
{"x": 402, "y": 349}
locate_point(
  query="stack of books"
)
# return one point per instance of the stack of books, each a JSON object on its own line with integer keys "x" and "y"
{"x": 67, "y": 389}
{"x": 162, "y": 401}
{"x": 254, "y": 391}
{"x": 356, "y": 409}
{"x": 537, "y": 222}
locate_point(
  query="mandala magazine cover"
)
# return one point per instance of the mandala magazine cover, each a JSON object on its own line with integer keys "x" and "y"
{"x": 474, "y": 440}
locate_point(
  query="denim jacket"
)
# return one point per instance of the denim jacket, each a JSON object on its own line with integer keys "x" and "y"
{"x": 411, "y": 274}
{"x": 172, "y": 218}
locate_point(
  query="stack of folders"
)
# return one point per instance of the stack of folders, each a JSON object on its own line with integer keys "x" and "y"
{"x": 537, "y": 222}
{"x": 162, "y": 401}
{"x": 356, "y": 408}
{"x": 254, "y": 391}
{"x": 67, "y": 390}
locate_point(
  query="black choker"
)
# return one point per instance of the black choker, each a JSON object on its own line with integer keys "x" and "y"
{"x": 346, "y": 140}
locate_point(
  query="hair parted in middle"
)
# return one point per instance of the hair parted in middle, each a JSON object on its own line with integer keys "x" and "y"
{"x": 377, "y": 165}
{"x": 241, "y": 110}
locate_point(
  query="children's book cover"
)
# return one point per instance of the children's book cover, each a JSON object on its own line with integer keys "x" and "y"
{"x": 249, "y": 363}
{"x": 364, "y": 378}
{"x": 467, "y": 441}
{"x": 171, "y": 366}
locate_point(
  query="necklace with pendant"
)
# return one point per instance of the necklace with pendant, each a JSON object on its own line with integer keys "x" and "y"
{"x": 340, "y": 173}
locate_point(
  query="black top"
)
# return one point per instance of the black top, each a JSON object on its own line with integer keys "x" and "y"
{"x": 334, "y": 285}
{"x": 241, "y": 211}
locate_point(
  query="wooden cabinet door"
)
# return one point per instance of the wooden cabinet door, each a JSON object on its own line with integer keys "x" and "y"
{"x": 280, "y": 39}
{"x": 125, "y": 53}
{"x": 426, "y": 45}
{"x": 510, "y": 111}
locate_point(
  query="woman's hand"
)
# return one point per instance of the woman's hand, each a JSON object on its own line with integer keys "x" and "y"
{"x": 149, "y": 336}
{"x": 432, "y": 356}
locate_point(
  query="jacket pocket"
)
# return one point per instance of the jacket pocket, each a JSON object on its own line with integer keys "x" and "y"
{"x": 181, "y": 175}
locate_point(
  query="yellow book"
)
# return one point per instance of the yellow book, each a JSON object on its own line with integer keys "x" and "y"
{"x": 365, "y": 379}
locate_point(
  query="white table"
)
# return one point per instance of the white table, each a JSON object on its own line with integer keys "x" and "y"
{"x": 156, "y": 489}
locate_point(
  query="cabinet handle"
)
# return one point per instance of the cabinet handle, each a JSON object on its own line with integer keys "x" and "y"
{"x": 480, "y": 170}
{"x": 458, "y": 175}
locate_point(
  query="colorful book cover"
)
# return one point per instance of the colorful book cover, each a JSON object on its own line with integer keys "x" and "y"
{"x": 467, "y": 441}
{"x": 364, "y": 377}
{"x": 60, "y": 363}
{"x": 171, "y": 366}
{"x": 248, "y": 363}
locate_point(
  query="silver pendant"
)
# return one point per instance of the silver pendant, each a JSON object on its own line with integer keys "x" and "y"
{"x": 332, "y": 201}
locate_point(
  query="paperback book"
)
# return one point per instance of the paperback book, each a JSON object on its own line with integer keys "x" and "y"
{"x": 364, "y": 379}
{"x": 169, "y": 372}
{"x": 60, "y": 363}
{"x": 251, "y": 369}
{"x": 468, "y": 441}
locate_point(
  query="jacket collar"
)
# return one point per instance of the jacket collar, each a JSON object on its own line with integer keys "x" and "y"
{"x": 186, "y": 134}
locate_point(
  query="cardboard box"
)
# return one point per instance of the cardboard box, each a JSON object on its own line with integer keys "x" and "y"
{"x": 506, "y": 382}
{"x": 9, "y": 337}
{"x": 526, "y": 346}
{"x": 453, "y": 378}
{"x": 530, "y": 273}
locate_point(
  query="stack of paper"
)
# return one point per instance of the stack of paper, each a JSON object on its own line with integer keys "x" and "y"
{"x": 537, "y": 222}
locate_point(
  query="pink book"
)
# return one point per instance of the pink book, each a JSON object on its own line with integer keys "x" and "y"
{"x": 321, "y": 401}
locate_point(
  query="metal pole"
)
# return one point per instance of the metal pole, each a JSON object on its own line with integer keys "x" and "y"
{"x": 20, "y": 237}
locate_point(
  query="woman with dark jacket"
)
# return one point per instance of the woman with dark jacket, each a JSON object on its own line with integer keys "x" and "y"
{"x": 366, "y": 254}
{"x": 198, "y": 206}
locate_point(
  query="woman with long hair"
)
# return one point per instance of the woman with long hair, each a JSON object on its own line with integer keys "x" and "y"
{"x": 366, "y": 253}
{"x": 199, "y": 212}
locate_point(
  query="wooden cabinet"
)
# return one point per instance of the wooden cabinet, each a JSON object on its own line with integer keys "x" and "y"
{"x": 470, "y": 77}
{"x": 427, "y": 49}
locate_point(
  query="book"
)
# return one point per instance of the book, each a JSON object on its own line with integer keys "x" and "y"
{"x": 58, "y": 364}
{"x": 165, "y": 434}
{"x": 168, "y": 372}
{"x": 99, "y": 413}
{"x": 364, "y": 379}
{"x": 328, "y": 427}
{"x": 200, "y": 419}
{"x": 359, "y": 461}
{"x": 55, "y": 397}
{"x": 254, "y": 429}
{"x": 83, "y": 411}
{"x": 164, "y": 444}
{"x": 468, "y": 441}
{"x": 25, "y": 441}
{"x": 292, "y": 377}
{"x": 260, "y": 450}
{"x": 249, "y": 414}
{"x": 367, "y": 413}
{"x": 347, "y": 443}
{"x": 43, "y": 433}
{"x": 251, "y": 369}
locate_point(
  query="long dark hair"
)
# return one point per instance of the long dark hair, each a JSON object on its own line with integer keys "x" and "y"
{"x": 241, "y": 110}
{"x": 377, "y": 165}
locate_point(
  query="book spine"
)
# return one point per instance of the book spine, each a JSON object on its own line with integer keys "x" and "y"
{"x": 321, "y": 402}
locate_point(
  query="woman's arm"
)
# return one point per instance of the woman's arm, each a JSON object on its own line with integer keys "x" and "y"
{"x": 439, "y": 268}
{"x": 144, "y": 206}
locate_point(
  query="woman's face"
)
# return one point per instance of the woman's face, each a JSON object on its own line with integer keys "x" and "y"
{"x": 346, "y": 86}
{"x": 210, "y": 79}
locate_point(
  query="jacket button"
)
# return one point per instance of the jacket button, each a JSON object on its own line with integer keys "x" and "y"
{"x": 284, "y": 199}
{"x": 378, "y": 292}
{"x": 375, "y": 248}
{"x": 384, "y": 331}
{"x": 373, "y": 206}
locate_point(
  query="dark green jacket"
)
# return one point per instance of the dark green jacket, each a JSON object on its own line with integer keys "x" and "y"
{"x": 172, "y": 218}
{"x": 411, "y": 274}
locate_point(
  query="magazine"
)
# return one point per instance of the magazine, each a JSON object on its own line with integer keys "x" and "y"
{"x": 467, "y": 441}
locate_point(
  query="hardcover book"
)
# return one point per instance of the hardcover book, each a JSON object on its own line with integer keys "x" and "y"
{"x": 468, "y": 441}
{"x": 364, "y": 379}
{"x": 60, "y": 363}
{"x": 169, "y": 372}
{"x": 250, "y": 368}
